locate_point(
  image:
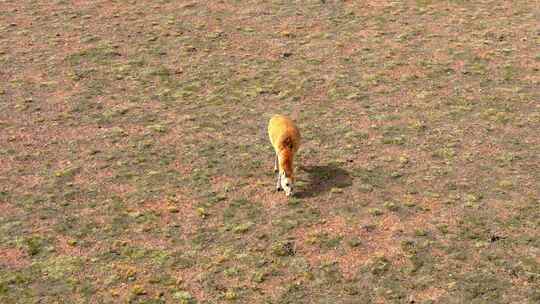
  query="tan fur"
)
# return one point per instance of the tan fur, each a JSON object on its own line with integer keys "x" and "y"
{"x": 285, "y": 139}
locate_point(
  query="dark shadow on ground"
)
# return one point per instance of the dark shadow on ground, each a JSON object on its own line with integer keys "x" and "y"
{"x": 322, "y": 179}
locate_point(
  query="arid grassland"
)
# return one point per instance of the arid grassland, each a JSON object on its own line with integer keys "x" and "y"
{"x": 135, "y": 165}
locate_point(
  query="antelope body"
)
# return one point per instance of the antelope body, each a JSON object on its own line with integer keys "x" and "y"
{"x": 285, "y": 139}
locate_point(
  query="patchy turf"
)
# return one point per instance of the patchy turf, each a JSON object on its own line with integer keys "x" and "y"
{"x": 135, "y": 168}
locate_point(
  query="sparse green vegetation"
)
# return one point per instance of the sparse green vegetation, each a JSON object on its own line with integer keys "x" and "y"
{"x": 135, "y": 168}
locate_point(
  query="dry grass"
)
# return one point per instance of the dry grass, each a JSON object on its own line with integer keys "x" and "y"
{"x": 134, "y": 163}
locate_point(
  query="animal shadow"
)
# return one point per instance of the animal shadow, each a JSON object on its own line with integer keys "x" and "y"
{"x": 324, "y": 178}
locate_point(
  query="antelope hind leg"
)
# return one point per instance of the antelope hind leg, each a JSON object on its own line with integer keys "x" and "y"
{"x": 278, "y": 184}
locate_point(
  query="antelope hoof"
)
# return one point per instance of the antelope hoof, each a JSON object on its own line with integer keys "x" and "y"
{"x": 278, "y": 183}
